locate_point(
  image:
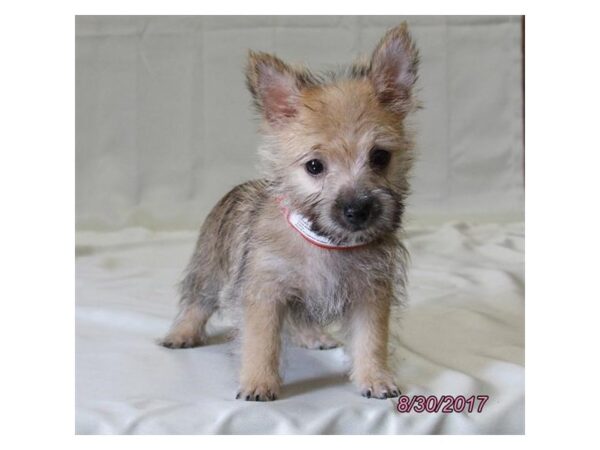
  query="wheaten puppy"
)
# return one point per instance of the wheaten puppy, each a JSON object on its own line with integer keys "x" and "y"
{"x": 315, "y": 240}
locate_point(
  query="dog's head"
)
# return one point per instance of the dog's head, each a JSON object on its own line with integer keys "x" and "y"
{"x": 335, "y": 144}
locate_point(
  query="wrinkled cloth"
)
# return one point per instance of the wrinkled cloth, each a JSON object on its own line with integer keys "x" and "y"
{"x": 461, "y": 333}
{"x": 165, "y": 127}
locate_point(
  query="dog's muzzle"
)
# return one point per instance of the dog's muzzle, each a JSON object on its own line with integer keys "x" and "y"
{"x": 357, "y": 213}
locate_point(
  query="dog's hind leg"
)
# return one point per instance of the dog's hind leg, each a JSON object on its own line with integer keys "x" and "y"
{"x": 188, "y": 329}
{"x": 310, "y": 335}
{"x": 196, "y": 306}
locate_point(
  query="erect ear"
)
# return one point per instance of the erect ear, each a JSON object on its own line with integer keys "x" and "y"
{"x": 394, "y": 70}
{"x": 275, "y": 87}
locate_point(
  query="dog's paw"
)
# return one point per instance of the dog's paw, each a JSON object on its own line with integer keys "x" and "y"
{"x": 324, "y": 342}
{"x": 379, "y": 388}
{"x": 320, "y": 341}
{"x": 260, "y": 393}
{"x": 182, "y": 340}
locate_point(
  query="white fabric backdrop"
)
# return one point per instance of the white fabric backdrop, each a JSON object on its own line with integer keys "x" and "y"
{"x": 461, "y": 334}
{"x": 164, "y": 129}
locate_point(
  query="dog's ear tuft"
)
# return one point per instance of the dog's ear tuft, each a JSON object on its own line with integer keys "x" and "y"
{"x": 274, "y": 86}
{"x": 394, "y": 70}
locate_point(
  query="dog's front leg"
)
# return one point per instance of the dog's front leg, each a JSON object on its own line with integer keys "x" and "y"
{"x": 369, "y": 322}
{"x": 261, "y": 342}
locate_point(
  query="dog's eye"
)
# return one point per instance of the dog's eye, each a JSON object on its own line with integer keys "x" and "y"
{"x": 314, "y": 167}
{"x": 379, "y": 158}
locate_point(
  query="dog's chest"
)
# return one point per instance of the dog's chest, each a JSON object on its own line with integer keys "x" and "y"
{"x": 327, "y": 273}
{"x": 330, "y": 281}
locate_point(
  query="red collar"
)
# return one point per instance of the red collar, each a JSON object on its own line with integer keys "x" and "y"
{"x": 303, "y": 226}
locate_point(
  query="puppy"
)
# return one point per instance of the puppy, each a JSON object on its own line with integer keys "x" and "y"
{"x": 316, "y": 239}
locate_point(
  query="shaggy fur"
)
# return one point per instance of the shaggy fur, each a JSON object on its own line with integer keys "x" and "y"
{"x": 249, "y": 258}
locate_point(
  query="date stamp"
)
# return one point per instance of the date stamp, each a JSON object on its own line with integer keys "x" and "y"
{"x": 444, "y": 404}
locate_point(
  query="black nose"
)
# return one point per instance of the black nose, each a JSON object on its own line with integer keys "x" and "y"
{"x": 357, "y": 211}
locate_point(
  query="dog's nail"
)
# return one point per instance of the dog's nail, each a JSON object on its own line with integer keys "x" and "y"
{"x": 238, "y": 395}
{"x": 257, "y": 398}
{"x": 321, "y": 347}
{"x": 247, "y": 397}
{"x": 368, "y": 393}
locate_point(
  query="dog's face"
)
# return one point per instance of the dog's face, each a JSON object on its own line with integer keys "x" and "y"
{"x": 336, "y": 146}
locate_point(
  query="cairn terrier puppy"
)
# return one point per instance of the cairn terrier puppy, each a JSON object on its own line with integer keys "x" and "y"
{"x": 315, "y": 240}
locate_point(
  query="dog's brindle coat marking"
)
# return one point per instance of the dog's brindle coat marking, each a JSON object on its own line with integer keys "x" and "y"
{"x": 250, "y": 260}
